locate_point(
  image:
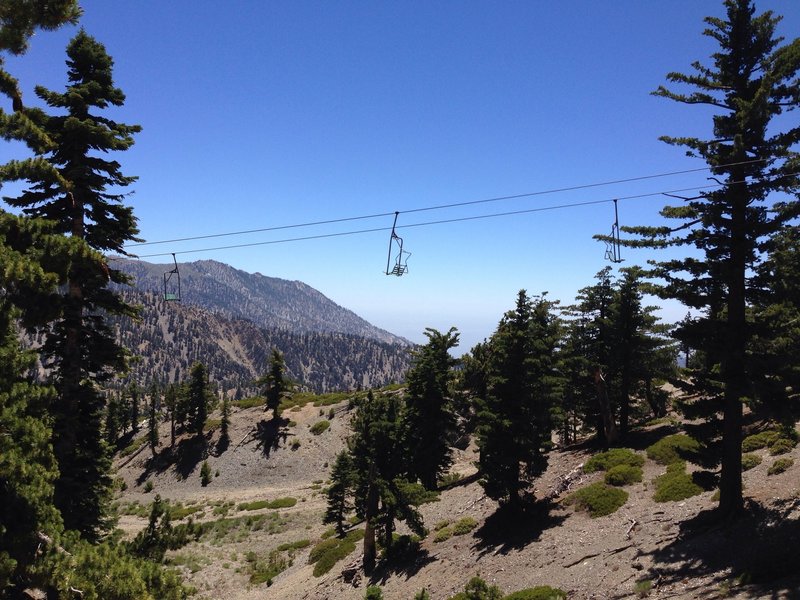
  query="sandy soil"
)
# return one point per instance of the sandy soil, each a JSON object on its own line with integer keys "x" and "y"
{"x": 669, "y": 545}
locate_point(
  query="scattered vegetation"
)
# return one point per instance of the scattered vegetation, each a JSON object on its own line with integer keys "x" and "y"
{"x": 781, "y": 446}
{"x": 621, "y": 475}
{"x": 205, "y": 474}
{"x": 779, "y": 466}
{"x": 320, "y": 426}
{"x": 674, "y": 448}
{"x": 251, "y": 402}
{"x": 676, "y": 484}
{"x": 540, "y": 592}
{"x": 265, "y": 569}
{"x": 750, "y": 461}
{"x": 133, "y": 446}
{"x": 643, "y": 587}
{"x": 478, "y": 589}
{"x": 605, "y": 461}
{"x": 330, "y": 551}
{"x": 598, "y": 499}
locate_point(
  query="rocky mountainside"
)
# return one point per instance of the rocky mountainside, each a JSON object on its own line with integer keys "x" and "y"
{"x": 231, "y": 320}
{"x": 266, "y": 301}
{"x": 169, "y": 337}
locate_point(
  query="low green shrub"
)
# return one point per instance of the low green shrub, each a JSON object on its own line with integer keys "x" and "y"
{"x": 676, "y": 484}
{"x": 599, "y": 499}
{"x": 291, "y": 546}
{"x": 478, "y": 589}
{"x": 249, "y": 402}
{"x": 254, "y": 505}
{"x": 265, "y": 570}
{"x": 604, "y": 461}
{"x": 760, "y": 440}
{"x": 286, "y": 502}
{"x": 540, "y": 592}
{"x": 779, "y": 466}
{"x": 464, "y": 526}
{"x": 620, "y": 475}
{"x": 320, "y": 426}
{"x": 330, "y": 551}
{"x": 643, "y": 587}
{"x": 443, "y": 534}
{"x": 781, "y": 446}
{"x": 374, "y": 592}
{"x": 674, "y": 448}
{"x": 148, "y": 486}
{"x": 750, "y": 461}
{"x": 295, "y": 444}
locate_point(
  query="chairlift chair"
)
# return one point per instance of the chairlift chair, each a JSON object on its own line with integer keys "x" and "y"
{"x": 613, "y": 245}
{"x": 401, "y": 258}
{"x": 172, "y": 283}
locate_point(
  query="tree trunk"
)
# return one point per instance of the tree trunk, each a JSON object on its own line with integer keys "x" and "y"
{"x": 609, "y": 426}
{"x": 370, "y": 551}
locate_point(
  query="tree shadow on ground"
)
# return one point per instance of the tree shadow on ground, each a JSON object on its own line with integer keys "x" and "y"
{"x": 270, "y": 434}
{"x": 512, "y": 529}
{"x": 185, "y": 456}
{"x": 407, "y": 564}
{"x": 757, "y": 553}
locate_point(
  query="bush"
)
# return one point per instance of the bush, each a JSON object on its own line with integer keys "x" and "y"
{"x": 443, "y": 534}
{"x": 464, "y": 526}
{"x": 623, "y": 475}
{"x": 205, "y": 474}
{"x": 264, "y": 571}
{"x": 781, "y": 446}
{"x": 676, "y": 484}
{"x": 760, "y": 440}
{"x": 292, "y": 546}
{"x": 540, "y": 592}
{"x": 609, "y": 459}
{"x": 598, "y": 499}
{"x": 249, "y": 402}
{"x": 295, "y": 444}
{"x": 320, "y": 426}
{"x": 373, "y": 593}
{"x": 750, "y": 461}
{"x": 286, "y": 502}
{"x": 674, "y": 448}
{"x": 148, "y": 486}
{"x": 254, "y": 505}
{"x": 779, "y": 466}
{"x": 328, "y": 552}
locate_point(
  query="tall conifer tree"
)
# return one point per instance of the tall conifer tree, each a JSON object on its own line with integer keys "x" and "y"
{"x": 85, "y": 203}
{"x": 429, "y": 419}
{"x": 751, "y": 80}
{"x": 514, "y": 420}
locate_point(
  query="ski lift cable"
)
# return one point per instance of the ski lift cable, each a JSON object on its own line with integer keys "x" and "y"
{"x": 443, "y": 206}
{"x": 437, "y": 222}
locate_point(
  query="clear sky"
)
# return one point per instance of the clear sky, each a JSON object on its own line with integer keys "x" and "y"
{"x": 260, "y": 114}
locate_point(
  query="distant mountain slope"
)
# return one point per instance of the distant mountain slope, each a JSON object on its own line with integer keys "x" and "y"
{"x": 170, "y": 336}
{"x": 266, "y": 301}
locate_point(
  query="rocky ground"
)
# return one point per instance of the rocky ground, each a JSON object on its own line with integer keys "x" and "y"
{"x": 645, "y": 549}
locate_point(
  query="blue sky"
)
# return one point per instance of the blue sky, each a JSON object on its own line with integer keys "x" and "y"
{"x": 264, "y": 114}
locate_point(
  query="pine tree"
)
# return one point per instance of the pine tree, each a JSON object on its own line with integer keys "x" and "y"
{"x": 342, "y": 481}
{"x": 198, "y": 398}
{"x": 81, "y": 347}
{"x": 750, "y": 82}
{"x": 277, "y": 385}
{"x": 152, "y": 421}
{"x": 171, "y": 401}
{"x": 27, "y": 467}
{"x": 429, "y": 419}
{"x": 514, "y": 420}
{"x": 381, "y": 491}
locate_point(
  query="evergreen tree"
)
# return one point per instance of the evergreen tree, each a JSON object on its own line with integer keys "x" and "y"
{"x": 198, "y": 398}
{"x": 27, "y": 465}
{"x": 277, "y": 385}
{"x": 152, "y": 422}
{"x": 338, "y": 492}
{"x": 134, "y": 411}
{"x": 114, "y": 423}
{"x": 171, "y": 401}
{"x": 381, "y": 491}
{"x": 224, "y": 436}
{"x": 639, "y": 350}
{"x": 751, "y": 80}
{"x": 429, "y": 419}
{"x": 514, "y": 420}
{"x": 81, "y": 346}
